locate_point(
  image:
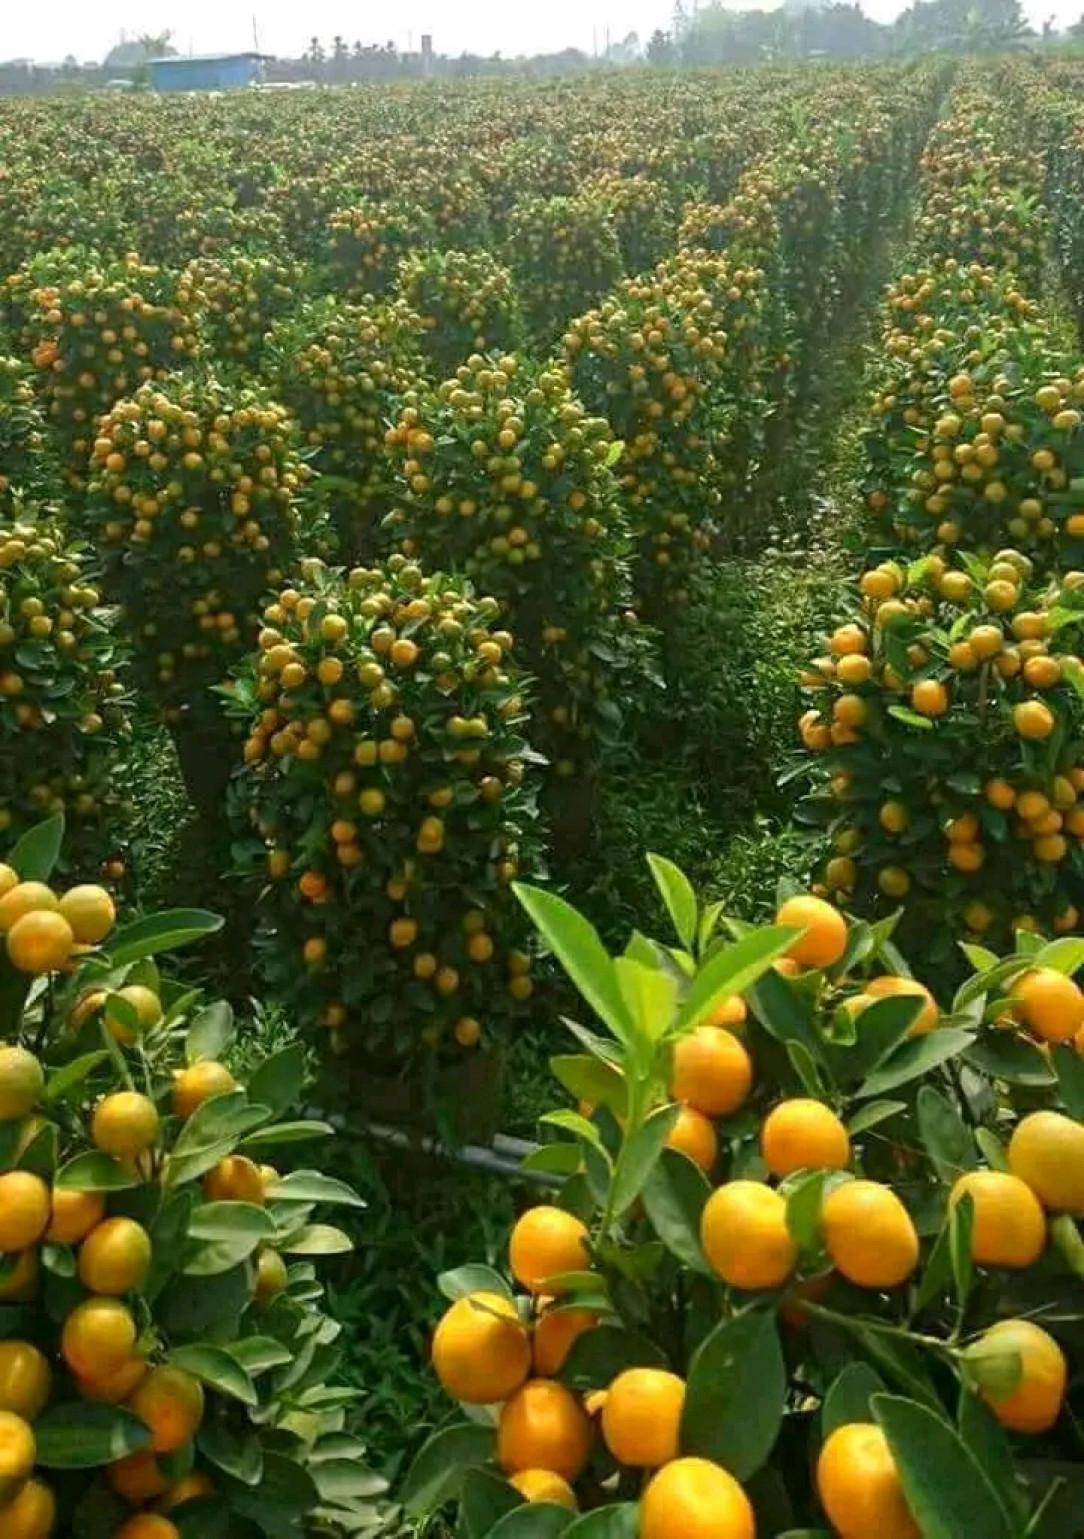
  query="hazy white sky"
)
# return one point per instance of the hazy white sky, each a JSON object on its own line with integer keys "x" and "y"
{"x": 48, "y": 32}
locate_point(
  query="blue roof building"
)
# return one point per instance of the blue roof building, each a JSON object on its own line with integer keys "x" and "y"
{"x": 205, "y": 72}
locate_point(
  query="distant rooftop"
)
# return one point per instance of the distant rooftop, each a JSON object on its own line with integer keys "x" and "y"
{"x": 208, "y": 58}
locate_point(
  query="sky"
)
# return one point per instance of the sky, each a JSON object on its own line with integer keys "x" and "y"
{"x": 284, "y": 27}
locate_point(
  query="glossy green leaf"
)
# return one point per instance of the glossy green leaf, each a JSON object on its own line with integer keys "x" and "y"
{"x": 674, "y": 1196}
{"x": 161, "y": 932}
{"x": 639, "y": 1157}
{"x": 914, "y": 1058}
{"x": 35, "y": 855}
{"x": 280, "y": 1079}
{"x": 218, "y": 1369}
{"x": 313, "y": 1186}
{"x": 848, "y": 1399}
{"x": 677, "y": 893}
{"x": 472, "y": 1278}
{"x": 318, "y": 1240}
{"x": 287, "y": 1133}
{"x": 650, "y": 996}
{"x": 537, "y": 1520}
{"x": 731, "y": 970}
{"x": 82, "y": 1435}
{"x": 596, "y": 1357}
{"x": 94, "y": 1171}
{"x": 872, "y": 1115}
{"x": 948, "y": 1492}
{"x": 615, "y": 1522}
{"x": 485, "y": 1498}
{"x": 436, "y": 1475}
{"x": 211, "y": 1033}
{"x": 945, "y": 1135}
{"x": 576, "y": 945}
{"x": 64, "y": 1080}
{"x": 736, "y": 1394}
{"x": 592, "y": 1080}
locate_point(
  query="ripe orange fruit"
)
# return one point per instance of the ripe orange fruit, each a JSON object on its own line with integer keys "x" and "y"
{"x": 124, "y": 1124}
{"x": 115, "y": 1257}
{"x": 1033, "y": 720}
{"x": 91, "y": 913}
{"x": 24, "y": 1210}
{"x": 803, "y": 1134}
{"x": 1021, "y": 1373}
{"x": 929, "y": 697}
{"x": 146, "y": 1005}
{"x": 825, "y": 938}
{"x": 22, "y": 1082}
{"x": 543, "y": 1426}
{"x": 32, "y": 1514}
{"x": 641, "y": 1419}
{"x": 869, "y": 1234}
{"x": 74, "y": 1215}
{"x": 148, "y": 1525}
{"x": 544, "y": 1486}
{"x": 9, "y": 878}
{"x": 40, "y": 942}
{"x": 889, "y": 986}
{"x": 1009, "y": 1225}
{"x": 234, "y": 1179}
{"x": 272, "y": 1275}
{"x": 26, "y": 898}
{"x": 859, "y": 1485}
{"x": 116, "y": 1385}
{"x": 694, "y": 1136}
{"x": 731, "y": 1013}
{"x": 138, "y": 1478}
{"x": 1048, "y": 1004}
{"x": 554, "y": 1332}
{"x": 1047, "y": 1151}
{"x": 17, "y": 1452}
{"x": 187, "y": 1490}
{"x": 743, "y": 1230}
{"x": 25, "y": 1379}
{"x": 712, "y": 1071}
{"x": 170, "y": 1403}
{"x": 198, "y": 1083}
{"x": 545, "y": 1242}
{"x": 98, "y": 1337}
{"x": 695, "y": 1499}
{"x": 481, "y": 1351}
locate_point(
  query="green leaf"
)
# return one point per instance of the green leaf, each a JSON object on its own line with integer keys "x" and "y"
{"x": 557, "y": 1159}
{"x": 731, "y": 970}
{"x": 848, "y": 1399}
{"x": 35, "y": 855}
{"x": 650, "y": 996}
{"x": 871, "y": 1116}
{"x": 989, "y": 1442}
{"x": 576, "y": 945}
{"x": 280, "y": 1079}
{"x": 231, "y": 1220}
{"x": 210, "y": 1033}
{"x": 804, "y": 1201}
{"x": 910, "y": 718}
{"x": 592, "y": 1080}
{"x": 161, "y": 932}
{"x": 961, "y": 1223}
{"x": 287, "y": 1133}
{"x": 786, "y": 1012}
{"x": 597, "y": 1356}
{"x": 472, "y": 1278}
{"x": 674, "y": 1195}
{"x": 1005, "y": 1055}
{"x": 916, "y": 1057}
{"x": 615, "y": 1522}
{"x": 218, "y": 1369}
{"x": 257, "y": 1354}
{"x": 736, "y": 1394}
{"x": 993, "y": 1149}
{"x": 484, "y": 1500}
{"x": 947, "y": 1490}
{"x": 639, "y": 1156}
{"x": 312, "y": 1186}
{"x": 83, "y": 1435}
{"x": 42, "y": 1152}
{"x": 677, "y": 893}
{"x": 881, "y": 1028}
{"x": 318, "y": 1240}
{"x": 945, "y": 1136}
{"x": 1064, "y": 955}
{"x": 537, "y": 1520}
{"x": 93, "y": 1171}
{"x": 236, "y": 1450}
{"x": 436, "y": 1475}
{"x": 64, "y": 1080}
{"x": 1069, "y": 1067}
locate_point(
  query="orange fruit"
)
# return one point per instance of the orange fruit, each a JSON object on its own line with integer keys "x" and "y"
{"x": 545, "y": 1242}
{"x": 32, "y": 1514}
{"x": 743, "y": 1230}
{"x": 26, "y": 898}
{"x": 1021, "y": 1373}
{"x": 22, "y": 1082}
{"x": 1049, "y": 1004}
{"x": 24, "y": 1210}
{"x": 146, "y": 1006}
{"x": 869, "y": 1234}
{"x": 543, "y": 1426}
{"x": 138, "y": 1478}
{"x": 544, "y": 1486}
{"x": 91, "y": 913}
{"x": 1047, "y": 1152}
{"x": 1009, "y": 1225}
{"x": 554, "y": 1332}
{"x": 825, "y": 938}
{"x": 859, "y": 1485}
{"x": 234, "y": 1179}
{"x": 641, "y": 1419}
{"x": 890, "y": 986}
{"x": 17, "y": 1452}
{"x": 40, "y": 942}
{"x": 731, "y": 1013}
{"x": 124, "y": 1124}
{"x": 712, "y": 1071}
{"x": 481, "y": 1350}
{"x": 170, "y": 1403}
{"x": 98, "y": 1337}
{"x": 115, "y": 1257}
{"x": 187, "y": 1490}
{"x": 25, "y": 1379}
{"x": 199, "y": 1083}
{"x": 116, "y": 1385}
{"x": 803, "y": 1134}
{"x": 272, "y": 1275}
{"x": 9, "y": 878}
{"x": 148, "y": 1525}
{"x": 929, "y": 697}
{"x": 694, "y": 1136}
{"x": 74, "y": 1215}
{"x": 1033, "y": 720}
{"x": 695, "y": 1499}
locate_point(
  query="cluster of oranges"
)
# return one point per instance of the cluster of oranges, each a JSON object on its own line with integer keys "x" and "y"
{"x": 62, "y": 695}
{"x": 565, "y": 255}
{"x": 24, "y": 464}
{"x": 644, "y": 218}
{"x": 192, "y": 503}
{"x": 945, "y": 723}
{"x": 465, "y": 301}
{"x": 44, "y": 931}
{"x": 387, "y": 797}
{"x": 505, "y": 476}
{"x": 236, "y": 301}
{"x": 366, "y": 243}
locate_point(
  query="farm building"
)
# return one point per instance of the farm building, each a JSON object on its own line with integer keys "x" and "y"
{"x": 206, "y": 72}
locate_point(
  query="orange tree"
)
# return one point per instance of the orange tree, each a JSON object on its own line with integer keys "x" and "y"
{"x": 946, "y": 723}
{"x": 465, "y": 301}
{"x": 165, "y": 1361}
{"x": 237, "y": 299}
{"x": 565, "y": 255}
{"x": 366, "y": 243}
{"x": 386, "y": 804}
{"x": 26, "y": 449}
{"x": 848, "y": 1302}
{"x": 64, "y": 726}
